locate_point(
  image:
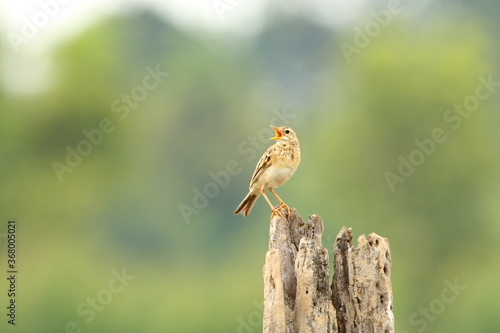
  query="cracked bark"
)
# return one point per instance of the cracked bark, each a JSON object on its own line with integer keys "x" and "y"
{"x": 298, "y": 297}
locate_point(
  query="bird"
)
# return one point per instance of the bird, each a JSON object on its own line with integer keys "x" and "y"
{"x": 275, "y": 168}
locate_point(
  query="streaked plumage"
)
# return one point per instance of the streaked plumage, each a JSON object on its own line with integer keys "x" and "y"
{"x": 275, "y": 168}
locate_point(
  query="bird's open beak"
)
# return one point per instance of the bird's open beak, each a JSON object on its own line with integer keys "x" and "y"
{"x": 279, "y": 134}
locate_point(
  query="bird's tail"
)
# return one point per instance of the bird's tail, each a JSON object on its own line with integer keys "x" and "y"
{"x": 247, "y": 204}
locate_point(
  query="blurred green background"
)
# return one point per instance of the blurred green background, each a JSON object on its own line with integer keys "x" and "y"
{"x": 360, "y": 86}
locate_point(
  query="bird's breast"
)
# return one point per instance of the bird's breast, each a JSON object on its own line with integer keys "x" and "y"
{"x": 277, "y": 176}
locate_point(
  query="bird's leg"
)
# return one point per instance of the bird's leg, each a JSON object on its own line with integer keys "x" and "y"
{"x": 275, "y": 210}
{"x": 276, "y": 195}
{"x": 283, "y": 204}
{"x": 263, "y": 192}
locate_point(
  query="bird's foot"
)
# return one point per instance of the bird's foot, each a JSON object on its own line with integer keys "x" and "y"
{"x": 278, "y": 211}
{"x": 284, "y": 205}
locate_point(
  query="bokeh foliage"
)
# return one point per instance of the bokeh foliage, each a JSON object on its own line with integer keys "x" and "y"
{"x": 120, "y": 206}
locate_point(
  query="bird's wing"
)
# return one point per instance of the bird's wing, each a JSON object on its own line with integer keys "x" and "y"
{"x": 264, "y": 164}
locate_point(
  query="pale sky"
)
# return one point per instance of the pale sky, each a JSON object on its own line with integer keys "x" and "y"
{"x": 67, "y": 17}
{"x": 26, "y": 67}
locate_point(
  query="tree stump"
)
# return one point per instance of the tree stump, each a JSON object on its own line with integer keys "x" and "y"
{"x": 298, "y": 296}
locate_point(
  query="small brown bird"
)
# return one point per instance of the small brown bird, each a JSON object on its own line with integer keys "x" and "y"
{"x": 275, "y": 168}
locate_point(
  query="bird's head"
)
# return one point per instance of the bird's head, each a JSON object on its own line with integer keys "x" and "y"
{"x": 284, "y": 134}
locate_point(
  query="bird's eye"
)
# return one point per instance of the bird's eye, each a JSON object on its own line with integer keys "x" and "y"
{"x": 287, "y": 131}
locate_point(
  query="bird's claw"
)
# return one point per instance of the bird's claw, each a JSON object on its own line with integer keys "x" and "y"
{"x": 283, "y": 205}
{"x": 278, "y": 211}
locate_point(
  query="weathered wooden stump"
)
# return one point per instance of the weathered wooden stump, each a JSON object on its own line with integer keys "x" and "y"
{"x": 298, "y": 296}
